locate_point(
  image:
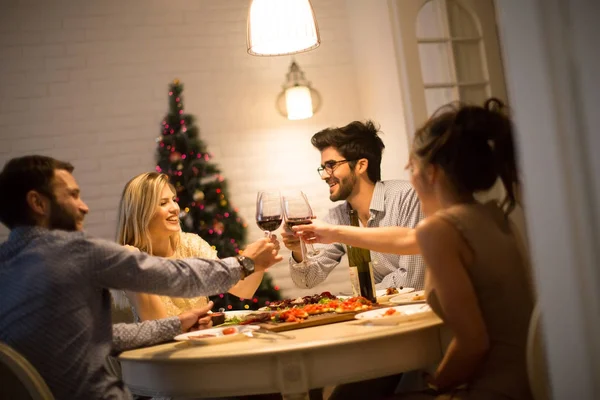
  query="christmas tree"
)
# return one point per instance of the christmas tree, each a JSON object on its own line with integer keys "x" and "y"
{"x": 202, "y": 195}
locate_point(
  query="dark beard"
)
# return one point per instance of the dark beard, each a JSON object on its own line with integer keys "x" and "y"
{"x": 60, "y": 218}
{"x": 345, "y": 188}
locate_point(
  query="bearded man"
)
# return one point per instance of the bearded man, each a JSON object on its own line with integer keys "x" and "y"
{"x": 351, "y": 167}
{"x": 54, "y": 281}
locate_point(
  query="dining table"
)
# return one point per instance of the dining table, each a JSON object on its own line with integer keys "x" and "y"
{"x": 290, "y": 363}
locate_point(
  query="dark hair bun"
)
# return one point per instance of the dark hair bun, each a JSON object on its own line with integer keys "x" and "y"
{"x": 473, "y": 144}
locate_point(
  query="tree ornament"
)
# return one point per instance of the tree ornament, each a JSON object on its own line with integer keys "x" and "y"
{"x": 219, "y": 227}
{"x": 188, "y": 221}
{"x": 179, "y": 167}
{"x": 174, "y": 156}
{"x": 198, "y": 195}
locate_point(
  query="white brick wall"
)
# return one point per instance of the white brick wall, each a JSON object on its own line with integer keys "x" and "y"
{"x": 86, "y": 81}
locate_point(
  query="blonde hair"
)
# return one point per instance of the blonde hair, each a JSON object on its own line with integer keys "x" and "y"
{"x": 139, "y": 200}
{"x": 137, "y": 207}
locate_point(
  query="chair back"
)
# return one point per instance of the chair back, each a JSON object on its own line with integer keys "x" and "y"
{"x": 537, "y": 367}
{"x": 19, "y": 380}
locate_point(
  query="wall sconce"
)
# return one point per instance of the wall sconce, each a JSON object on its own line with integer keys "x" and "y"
{"x": 297, "y": 100}
{"x": 278, "y": 27}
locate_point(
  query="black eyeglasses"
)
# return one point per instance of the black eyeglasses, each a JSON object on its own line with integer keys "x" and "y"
{"x": 330, "y": 166}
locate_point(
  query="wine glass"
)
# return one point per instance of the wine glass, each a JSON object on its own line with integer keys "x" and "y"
{"x": 297, "y": 211}
{"x": 268, "y": 211}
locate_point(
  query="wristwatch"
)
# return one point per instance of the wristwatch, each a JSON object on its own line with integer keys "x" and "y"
{"x": 247, "y": 265}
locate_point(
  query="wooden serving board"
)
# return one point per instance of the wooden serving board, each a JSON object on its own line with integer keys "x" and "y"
{"x": 312, "y": 320}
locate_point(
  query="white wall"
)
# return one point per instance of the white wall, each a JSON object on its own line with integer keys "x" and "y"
{"x": 86, "y": 81}
{"x": 378, "y": 81}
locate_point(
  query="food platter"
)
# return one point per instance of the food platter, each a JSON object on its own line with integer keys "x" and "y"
{"x": 301, "y": 312}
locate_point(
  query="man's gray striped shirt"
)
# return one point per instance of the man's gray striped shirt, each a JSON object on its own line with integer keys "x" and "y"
{"x": 394, "y": 203}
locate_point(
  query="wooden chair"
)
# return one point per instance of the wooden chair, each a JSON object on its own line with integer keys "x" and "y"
{"x": 537, "y": 367}
{"x": 19, "y": 380}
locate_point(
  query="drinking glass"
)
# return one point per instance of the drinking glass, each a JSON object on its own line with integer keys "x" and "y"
{"x": 268, "y": 211}
{"x": 297, "y": 211}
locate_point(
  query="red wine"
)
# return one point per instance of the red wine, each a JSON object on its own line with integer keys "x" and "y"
{"x": 296, "y": 221}
{"x": 269, "y": 223}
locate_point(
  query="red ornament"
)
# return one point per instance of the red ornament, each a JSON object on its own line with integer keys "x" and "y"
{"x": 175, "y": 156}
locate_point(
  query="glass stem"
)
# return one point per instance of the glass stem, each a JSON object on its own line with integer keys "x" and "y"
{"x": 310, "y": 250}
{"x": 303, "y": 250}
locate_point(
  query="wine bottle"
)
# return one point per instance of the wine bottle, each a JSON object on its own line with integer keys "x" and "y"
{"x": 361, "y": 268}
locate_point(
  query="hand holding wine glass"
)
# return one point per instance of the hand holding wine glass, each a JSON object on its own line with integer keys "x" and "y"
{"x": 268, "y": 211}
{"x": 264, "y": 252}
{"x": 317, "y": 232}
{"x": 297, "y": 211}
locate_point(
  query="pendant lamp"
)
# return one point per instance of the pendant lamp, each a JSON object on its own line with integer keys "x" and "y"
{"x": 298, "y": 100}
{"x": 278, "y": 27}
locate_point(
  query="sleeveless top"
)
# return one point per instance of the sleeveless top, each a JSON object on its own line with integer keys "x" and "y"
{"x": 190, "y": 245}
{"x": 500, "y": 275}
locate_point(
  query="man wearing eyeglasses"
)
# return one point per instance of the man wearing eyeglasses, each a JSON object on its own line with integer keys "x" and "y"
{"x": 351, "y": 166}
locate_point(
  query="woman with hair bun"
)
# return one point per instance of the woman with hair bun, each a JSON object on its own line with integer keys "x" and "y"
{"x": 477, "y": 277}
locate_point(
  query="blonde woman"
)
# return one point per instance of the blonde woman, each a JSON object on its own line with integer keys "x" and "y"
{"x": 149, "y": 221}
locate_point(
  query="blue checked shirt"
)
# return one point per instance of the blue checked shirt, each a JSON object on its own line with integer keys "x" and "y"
{"x": 55, "y": 304}
{"x": 394, "y": 203}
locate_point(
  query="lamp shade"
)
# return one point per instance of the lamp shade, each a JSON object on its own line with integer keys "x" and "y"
{"x": 278, "y": 27}
{"x": 298, "y": 102}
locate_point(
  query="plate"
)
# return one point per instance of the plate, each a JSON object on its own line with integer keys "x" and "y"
{"x": 216, "y": 335}
{"x": 408, "y": 298}
{"x": 404, "y": 313}
{"x": 382, "y": 297}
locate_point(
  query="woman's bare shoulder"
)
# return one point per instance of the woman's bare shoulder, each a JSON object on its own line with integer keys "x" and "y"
{"x": 433, "y": 225}
{"x": 437, "y": 232}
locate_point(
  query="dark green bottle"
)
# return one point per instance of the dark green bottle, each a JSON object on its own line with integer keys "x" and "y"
{"x": 361, "y": 269}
